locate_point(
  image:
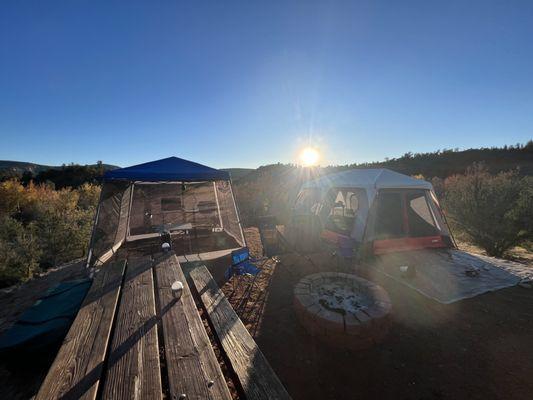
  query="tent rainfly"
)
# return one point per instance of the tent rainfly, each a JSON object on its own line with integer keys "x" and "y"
{"x": 191, "y": 202}
{"x": 384, "y": 209}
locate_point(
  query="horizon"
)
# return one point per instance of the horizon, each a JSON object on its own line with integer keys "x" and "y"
{"x": 241, "y": 86}
{"x": 384, "y": 160}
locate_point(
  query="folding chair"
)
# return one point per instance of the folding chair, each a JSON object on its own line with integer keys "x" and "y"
{"x": 242, "y": 264}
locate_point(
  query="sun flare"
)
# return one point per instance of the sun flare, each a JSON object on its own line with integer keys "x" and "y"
{"x": 309, "y": 157}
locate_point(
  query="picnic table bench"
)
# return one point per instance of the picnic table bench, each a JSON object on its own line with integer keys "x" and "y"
{"x": 134, "y": 339}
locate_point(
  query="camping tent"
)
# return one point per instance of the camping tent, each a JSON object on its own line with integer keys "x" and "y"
{"x": 192, "y": 203}
{"x": 379, "y": 207}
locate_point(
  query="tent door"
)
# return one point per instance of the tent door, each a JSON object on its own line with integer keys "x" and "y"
{"x": 405, "y": 221}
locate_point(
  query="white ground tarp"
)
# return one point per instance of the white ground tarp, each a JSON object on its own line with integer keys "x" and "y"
{"x": 452, "y": 275}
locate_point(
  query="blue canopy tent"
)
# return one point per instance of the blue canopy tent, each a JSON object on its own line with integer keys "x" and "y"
{"x": 191, "y": 202}
{"x": 168, "y": 169}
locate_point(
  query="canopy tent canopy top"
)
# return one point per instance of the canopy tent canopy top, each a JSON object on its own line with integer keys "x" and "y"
{"x": 168, "y": 169}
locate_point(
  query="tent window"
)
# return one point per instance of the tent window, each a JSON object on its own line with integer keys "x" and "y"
{"x": 342, "y": 213}
{"x": 389, "y": 220}
{"x": 419, "y": 217}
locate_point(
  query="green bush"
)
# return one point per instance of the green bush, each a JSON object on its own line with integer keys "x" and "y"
{"x": 42, "y": 227}
{"x": 64, "y": 234}
{"x": 494, "y": 211}
{"x": 19, "y": 251}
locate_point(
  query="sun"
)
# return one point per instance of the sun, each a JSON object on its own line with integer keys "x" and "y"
{"x": 309, "y": 157}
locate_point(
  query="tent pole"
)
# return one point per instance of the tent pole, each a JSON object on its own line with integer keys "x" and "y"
{"x": 95, "y": 221}
{"x": 449, "y": 229}
{"x": 237, "y": 212}
{"x": 218, "y": 205}
{"x": 129, "y": 211}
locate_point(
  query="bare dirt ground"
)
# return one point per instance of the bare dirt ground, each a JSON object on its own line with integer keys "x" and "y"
{"x": 480, "y": 348}
{"x": 518, "y": 254}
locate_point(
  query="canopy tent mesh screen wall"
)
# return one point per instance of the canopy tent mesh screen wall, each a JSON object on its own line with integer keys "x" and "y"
{"x": 110, "y": 227}
{"x": 200, "y": 215}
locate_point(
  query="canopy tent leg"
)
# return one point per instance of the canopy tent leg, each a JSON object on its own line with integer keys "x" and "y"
{"x": 95, "y": 222}
{"x": 237, "y": 214}
{"x": 218, "y": 205}
{"x": 129, "y": 211}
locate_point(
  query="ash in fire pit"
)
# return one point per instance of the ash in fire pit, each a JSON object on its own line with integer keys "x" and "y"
{"x": 343, "y": 309}
{"x": 337, "y": 296}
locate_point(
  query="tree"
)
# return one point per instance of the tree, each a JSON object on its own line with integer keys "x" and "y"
{"x": 493, "y": 210}
{"x": 64, "y": 228}
{"x": 19, "y": 252}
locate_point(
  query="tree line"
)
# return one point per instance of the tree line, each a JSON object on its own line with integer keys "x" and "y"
{"x": 71, "y": 175}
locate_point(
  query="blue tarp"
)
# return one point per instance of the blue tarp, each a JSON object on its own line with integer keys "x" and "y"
{"x": 48, "y": 320}
{"x": 167, "y": 169}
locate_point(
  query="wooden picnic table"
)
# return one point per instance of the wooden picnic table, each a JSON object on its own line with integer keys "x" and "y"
{"x": 134, "y": 339}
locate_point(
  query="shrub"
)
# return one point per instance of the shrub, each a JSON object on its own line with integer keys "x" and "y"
{"x": 63, "y": 234}
{"x": 494, "y": 211}
{"x": 88, "y": 196}
{"x": 19, "y": 252}
{"x": 42, "y": 227}
{"x": 12, "y": 197}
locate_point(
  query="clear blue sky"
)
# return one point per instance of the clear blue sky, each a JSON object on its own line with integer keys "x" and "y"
{"x": 244, "y": 85}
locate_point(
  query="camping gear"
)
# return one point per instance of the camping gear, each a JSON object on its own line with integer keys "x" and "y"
{"x": 189, "y": 204}
{"x": 241, "y": 264}
{"x": 47, "y": 321}
{"x": 371, "y": 211}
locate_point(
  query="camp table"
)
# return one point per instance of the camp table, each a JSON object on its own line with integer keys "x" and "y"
{"x": 133, "y": 338}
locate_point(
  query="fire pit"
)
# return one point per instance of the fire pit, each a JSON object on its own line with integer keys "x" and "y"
{"x": 343, "y": 309}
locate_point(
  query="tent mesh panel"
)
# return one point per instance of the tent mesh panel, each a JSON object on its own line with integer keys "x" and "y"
{"x": 110, "y": 229}
{"x": 228, "y": 212}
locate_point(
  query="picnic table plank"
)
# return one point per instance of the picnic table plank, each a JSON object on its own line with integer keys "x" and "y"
{"x": 193, "y": 369}
{"x": 257, "y": 378}
{"x": 133, "y": 366}
{"x": 77, "y": 368}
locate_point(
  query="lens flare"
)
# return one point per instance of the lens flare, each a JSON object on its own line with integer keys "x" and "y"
{"x": 309, "y": 157}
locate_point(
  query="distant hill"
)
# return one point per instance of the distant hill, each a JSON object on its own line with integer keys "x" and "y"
{"x": 238, "y": 173}
{"x": 22, "y": 166}
{"x": 449, "y": 162}
{"x": 71, "y": 175}
{"x": 441, "y": 163}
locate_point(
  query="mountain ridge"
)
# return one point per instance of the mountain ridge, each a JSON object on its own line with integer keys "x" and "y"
{"x": 23, "y": 166}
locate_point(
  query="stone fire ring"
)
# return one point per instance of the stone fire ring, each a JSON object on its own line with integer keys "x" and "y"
{"x": 343, "y": 310}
